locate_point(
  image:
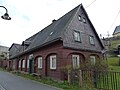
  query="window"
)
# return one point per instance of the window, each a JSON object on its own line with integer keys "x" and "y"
{"x": 51, "y": 33}
{"x": 75, "y": 61}
{"x": 92, "y": 40}
{"x": 79, "y": 18}
{"x": 23, "y": 64}
{"x": 77, "y": 36}
{"x": 53, "y": 62}
{"x": 28, "y": 63}
{"x": 40, "y": 62}
{"x": 19, "y": 63}
{"x": 14, "y": 63}
{"x": 93, "y": 60}
{"x": 84, "y": 20}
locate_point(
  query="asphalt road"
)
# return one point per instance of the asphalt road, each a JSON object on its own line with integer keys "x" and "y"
{"x": 9, "y": 81}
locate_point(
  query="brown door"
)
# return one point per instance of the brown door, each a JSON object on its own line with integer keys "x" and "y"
{"x": 47, "y": 65}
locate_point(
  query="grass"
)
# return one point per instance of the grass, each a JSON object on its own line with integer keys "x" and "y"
{"x": 113, "y": 63}
{"x": 1, "y": 69}
{"x": 114, "y": 68}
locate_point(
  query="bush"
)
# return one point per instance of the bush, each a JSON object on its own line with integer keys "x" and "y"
{"x": 99, "y": 65}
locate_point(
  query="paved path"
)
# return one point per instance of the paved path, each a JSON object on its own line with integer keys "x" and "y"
{"x": 9, "y": 81}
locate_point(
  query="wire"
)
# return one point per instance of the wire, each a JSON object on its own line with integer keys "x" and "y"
{"x": 91, "y": 3}
{"x": 115, "y": 19}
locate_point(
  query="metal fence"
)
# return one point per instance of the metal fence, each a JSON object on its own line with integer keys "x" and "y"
{"x": 103, "y": 80}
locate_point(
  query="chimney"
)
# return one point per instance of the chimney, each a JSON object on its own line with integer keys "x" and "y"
{"x": 53, "y": 20}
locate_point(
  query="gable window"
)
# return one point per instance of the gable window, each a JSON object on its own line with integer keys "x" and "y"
{"x": 40, "y": 62}
{"x": 84, "y": 20}
{"x": 93, "y": 60}
{"x": 79, "y": 18}
{"x": 92, "y": 42}
{"x": 75, "y": 61}
{"x": 53, "y": 62}
{"x": 77, "y": 36}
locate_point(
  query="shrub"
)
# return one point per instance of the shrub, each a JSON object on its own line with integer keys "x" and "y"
{"x": 99, "y": 65}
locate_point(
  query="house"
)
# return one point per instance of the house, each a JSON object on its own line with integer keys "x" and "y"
{"x": 14, "y": 50}
{"x": 4, "y": 56}
{"x": 4, "y": 52}
{"x": 70, "y": 40}
{"x": 116, "y": 32}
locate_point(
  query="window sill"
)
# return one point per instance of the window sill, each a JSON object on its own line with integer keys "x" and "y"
{"x": 78, "y": 41}
{"x": 52, "y": 69}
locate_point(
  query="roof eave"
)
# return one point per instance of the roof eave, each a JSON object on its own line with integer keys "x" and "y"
{"x": 32, "y": 49}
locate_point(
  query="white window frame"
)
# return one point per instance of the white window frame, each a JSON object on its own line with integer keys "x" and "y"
{"x": 93, "y": 60}
{"x": 76, "y": 61}
{"x": 28, "y": 63}
{"x": 19, "y": 63}
{"x": 79, "y": 18}
{"x": 77, "y": 36}
{"x": 53, "y": 62}
{"x": 14, "y": 64}
{"x": 92, "y": 41}
{"x": 23, "y": 63}
{"x": 84, "y": 20}
{"x": 40, "y": 62}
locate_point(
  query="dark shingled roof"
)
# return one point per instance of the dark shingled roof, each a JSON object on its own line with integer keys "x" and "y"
{"x": 52, "y": 32}
{"x": 16, "y": 50}
{"x": 117, "y": 30}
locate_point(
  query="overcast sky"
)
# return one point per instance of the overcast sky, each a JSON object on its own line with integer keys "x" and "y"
{"x": 30, "y": 16}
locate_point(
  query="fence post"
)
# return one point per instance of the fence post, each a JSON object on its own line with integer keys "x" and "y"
{"x": 69, "y": 76}
{"x": 95, "y": 79}
{"x": 80, "y": 78}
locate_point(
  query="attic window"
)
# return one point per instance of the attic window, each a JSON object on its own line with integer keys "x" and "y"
{"x": 84, "y": 20}
{"x": 79, "y": 18}
{"x": 51, "y": 33}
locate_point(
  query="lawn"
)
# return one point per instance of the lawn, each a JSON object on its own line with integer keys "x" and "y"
{"x": 113, "y": 63}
